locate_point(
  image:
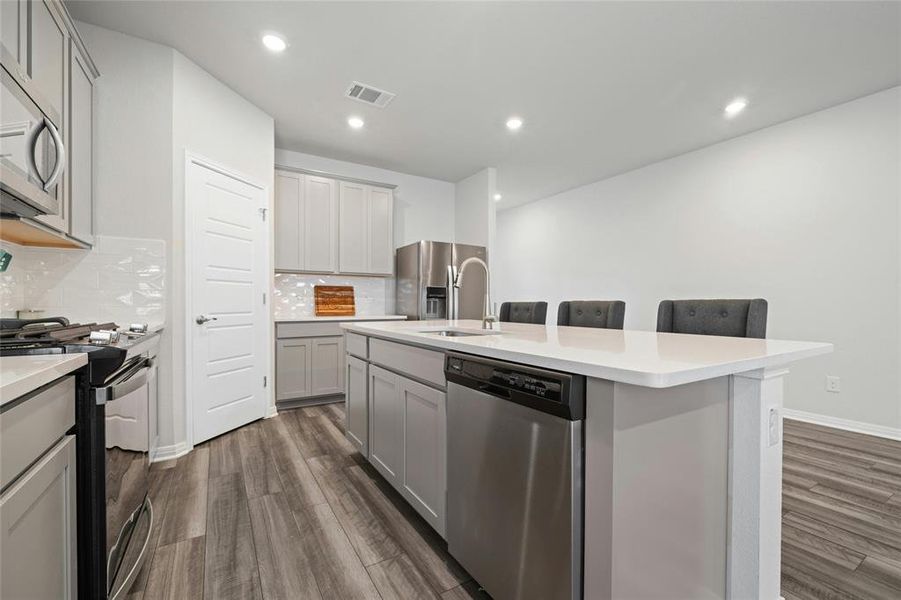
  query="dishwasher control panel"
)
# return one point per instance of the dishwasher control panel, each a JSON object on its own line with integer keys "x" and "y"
{"x": 558, "y": 393}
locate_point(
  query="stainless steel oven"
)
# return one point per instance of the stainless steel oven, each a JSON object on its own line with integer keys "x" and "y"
{"x": 128, "y": 398}
{"x": 32, "y": 153}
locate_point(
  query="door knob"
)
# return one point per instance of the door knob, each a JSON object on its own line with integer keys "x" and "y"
{"x": 201, "y": 319}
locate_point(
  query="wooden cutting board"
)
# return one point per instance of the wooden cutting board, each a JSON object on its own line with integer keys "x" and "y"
{"x": 334, "y": 300}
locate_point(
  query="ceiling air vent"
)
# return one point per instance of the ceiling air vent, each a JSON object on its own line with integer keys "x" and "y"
{"x": 362, "y": 92}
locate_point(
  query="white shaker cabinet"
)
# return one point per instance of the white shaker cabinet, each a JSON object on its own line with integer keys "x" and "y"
{"x": 80, "y": 145}
{"x": 305, "y": 223}
{"x": 293, "y": 362}
{"x": 320, "y": 220}
{"x": 353, "y": 228}
{"x": 366, "y": 229}
{"x": 38, "y": 529}
{"x": 288, "y": 231}
{"x": 380, "y": 239}
{"x": 386, "y": 441}
{"x": 424, "y": 431}
{"x": 356, "y": 410}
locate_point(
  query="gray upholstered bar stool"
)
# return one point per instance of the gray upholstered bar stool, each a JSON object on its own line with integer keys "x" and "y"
{"x": 603, "y": 314}
{"x": 735, "y": 318}
{"x": 524, "y": 312}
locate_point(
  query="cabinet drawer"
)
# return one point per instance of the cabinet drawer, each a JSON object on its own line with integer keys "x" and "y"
{"x": 33, "y": 425}
{"x": 295, "y": 330}
{"x": 418, "y": 363}
{"x": 356, "y": 345}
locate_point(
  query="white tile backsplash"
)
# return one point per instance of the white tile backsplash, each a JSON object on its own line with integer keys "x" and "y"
{"x": 293, "y": 296}
{"x": 120, "y": 279}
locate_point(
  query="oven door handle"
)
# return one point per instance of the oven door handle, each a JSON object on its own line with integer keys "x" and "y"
{"x": 131, "y": 380}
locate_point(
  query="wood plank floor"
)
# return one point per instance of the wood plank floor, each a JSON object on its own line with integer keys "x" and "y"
{"x": 841, "y": 514}
{"x": 285, "y": 508}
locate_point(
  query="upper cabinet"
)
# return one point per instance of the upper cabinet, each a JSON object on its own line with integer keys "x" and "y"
{"x": 323, "y": 225}
{"x": 53, "y": 69}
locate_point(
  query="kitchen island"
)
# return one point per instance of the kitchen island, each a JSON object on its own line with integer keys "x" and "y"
{"x": 682, "y": 443}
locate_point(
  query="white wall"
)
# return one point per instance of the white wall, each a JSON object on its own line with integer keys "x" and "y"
{"x": 474, "y": 208}
{"x": 153, "y": 104}
{"x": 214, "y": 122}
{"x": 423, "y": 207}
{"x": 805, "y": 214}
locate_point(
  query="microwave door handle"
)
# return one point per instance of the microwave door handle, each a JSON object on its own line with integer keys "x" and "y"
{"x": 31, "y": 146}
{"x": 60, "y": 154}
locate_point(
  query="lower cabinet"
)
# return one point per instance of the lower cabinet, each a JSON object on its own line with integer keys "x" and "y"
{"x": 38, "y": 531}
{"x": 407, "y": 422}
{"x": 308, "y": 367}
{"x": 356, "y": 409}
{"x": 386, "y": 442}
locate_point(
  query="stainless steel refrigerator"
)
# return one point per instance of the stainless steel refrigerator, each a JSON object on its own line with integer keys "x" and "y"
{"x": 424, "y": 289}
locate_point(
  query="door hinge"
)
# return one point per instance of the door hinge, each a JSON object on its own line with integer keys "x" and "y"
{"x": 265, "y": 381}
{"x": 263, "y": 213}
{"x": 264, "y": 297}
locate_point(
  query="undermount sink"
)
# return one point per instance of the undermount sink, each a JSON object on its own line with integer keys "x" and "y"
{"x": 459, "y": 332}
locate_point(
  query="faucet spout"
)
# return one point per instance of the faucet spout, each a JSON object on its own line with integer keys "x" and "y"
{"x": 488, "y": 319}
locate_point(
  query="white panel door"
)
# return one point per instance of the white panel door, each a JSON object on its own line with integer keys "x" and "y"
{"x": 353, "y": 228}
{"x": 229, "y": 322}
{"x": 424, "y": 478}
{"x": 386, "y": 434}
{"x": 319, "y": 224}
{"x": 289, "y": 245}
{"x": 327, "y": 366}
{"x": 381, "y": 231}
{"x": 356, "y": 409}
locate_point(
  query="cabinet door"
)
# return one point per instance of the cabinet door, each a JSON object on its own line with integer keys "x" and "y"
{"x": 353, "y": 228}
{"x": 385, "y": 424}
{"x": 47, "y": 41}
{"x": 356, "y": 409}
{"x": 81, "y": 161}
{"x": 292, "y": 368}
{"x": 288, "y": 211}
{"x": 424, "y": 421}
{"x": 381, "y": 231}
{"x": 327, "y": 373}
{"x": 320, "y": 221}
{"x": 38, "y": 531}
{"x": 48, "y": 45}
{"x": 13, "y": 23}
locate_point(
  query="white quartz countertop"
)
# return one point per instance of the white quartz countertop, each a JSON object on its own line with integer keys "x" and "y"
{"x": 643, "y": 358}
{"x": 20, "y": 375}
{"x": 353, "y": 318}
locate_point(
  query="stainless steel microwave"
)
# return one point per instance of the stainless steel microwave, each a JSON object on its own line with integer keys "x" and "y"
{"x": 32, "y": 154}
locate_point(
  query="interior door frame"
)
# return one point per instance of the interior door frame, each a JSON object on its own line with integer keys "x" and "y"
{"x": 202, "y": 161}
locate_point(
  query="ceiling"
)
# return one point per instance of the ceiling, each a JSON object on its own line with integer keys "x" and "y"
{"x": 603, "y": 87}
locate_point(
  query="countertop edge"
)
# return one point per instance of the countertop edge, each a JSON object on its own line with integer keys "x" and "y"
{"x": 41, "y": 375}
{"x": 650, "y": 379}
{"x": 354, "y": 319}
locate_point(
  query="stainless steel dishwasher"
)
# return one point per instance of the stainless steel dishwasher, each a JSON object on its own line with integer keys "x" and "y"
{"x": 514, "y": 477}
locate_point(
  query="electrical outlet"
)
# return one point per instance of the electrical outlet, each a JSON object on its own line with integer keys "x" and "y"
{"x": 833, "y": 384}
{"x": 774, "y": 422}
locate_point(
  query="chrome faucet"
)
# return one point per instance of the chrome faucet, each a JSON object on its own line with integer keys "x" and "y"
{"x": 488, "y": 319}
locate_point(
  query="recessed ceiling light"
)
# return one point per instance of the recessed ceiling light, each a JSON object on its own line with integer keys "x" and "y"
{"x": 497, "y": 197}
{"x": 735, "y": 107}
{"x": 355, "y": 122}
{"x": 274, "y": 42}
{"x": 514, "y": 123}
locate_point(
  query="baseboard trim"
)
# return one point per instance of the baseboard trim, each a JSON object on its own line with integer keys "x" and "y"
{"x": 890, "y": 433}
{"x": 289, "y": 404}
{"x": 170, "y": 452}
{"x": 273, "y": 411}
